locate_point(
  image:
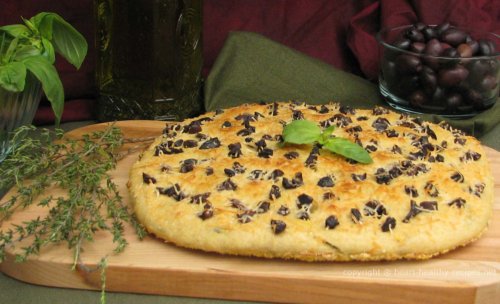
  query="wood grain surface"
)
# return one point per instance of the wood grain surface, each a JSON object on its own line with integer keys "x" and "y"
{"x": 467, "y": 275}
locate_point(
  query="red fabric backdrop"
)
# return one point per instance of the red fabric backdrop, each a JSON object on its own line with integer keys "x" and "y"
{"x": 340, "y": 32}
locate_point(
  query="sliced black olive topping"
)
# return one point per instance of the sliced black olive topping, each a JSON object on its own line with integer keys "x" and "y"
{"x": 471, "y": 155}
{"x": 396, "y": 149}
{"x": 358, "y": 177}
{"x": 226, "y": 124}
{"x": 234, "y": 150}
{"x": 246, "y": 117}
{"x": 429, "y": 205}
{"x": 228, "y": 184}
{"x": 323, "y": 109}
{"x": 238, "y": 168}
{"x": 210, "y": 144}
{"x": 380, "y": 111}
{"x": 458, "y": 202}
{"x": 356, "y": 216}
{"x": 411, "y": 191}
{"x": 381, "y": 124}
{"x": 257, "y": 174}
{"x": 265, "y": 153}
{"x": 313, "y": 157}
{"x": 297, "y": 115}
{"x": 246, "y": 132}
{"x": 361, "y": 118}
{"x": 458, "y": 177}
{"x": 148, "y": 179}
{"x": 267, "y": 137}
{"x": 374, "y": 208}
{"x": 260, "y": 144}
{"x": 190, "y": 143}
{"x": 341, "y": 120}
{"x": 460, "y": 140}
{"x": 278, "y": 138}
{"x": 201, "y": 136}
{"x": 274, "y": 193}
{"x": 263, "y": 207}
{"x": 248, "y": 139}
{"x": 430, "y": 132}
{"x": 245, "y": 217}
{"x": 283, "y": 210}
{"x": 193, "y": 128}
{"x": 331, "y": 222}
{"x": 304, "y": 200}
{"x": 382, "y": 176}
{"x": 440, "y": 158}
{"x": 173, "y": 192}
{"x": 207, "y": 212}
{"x": 326, "y": 182}
{"x": 370, "y": 148}
{"x": 219, "y": 111}
{"x": 200, "y": 198}
{"x": 274, "y": 109}
{"x": 391, "y": 133}
{"x": 444, "y": 144}
{"x": 188, "y": 165}
{"x": 431, "y": 189}
{"x": 346, "y": 110}
{"x": 278, "y": 226}
{"x": 229, "y": 172}
{"x": 237, "y": 204}
{"x": 291, "y": 155}
{"x": 414, "y": 210}
{"x": 294, "y": 183}
{"x": 328, "y": 196}
{"x": 389, "y": 224}
{"x": 477, "y": 190}
{"x": 167, "y": 148}
{"x": 407, "y": 124}
{"x": 209, "y": 171}
{"x": 354, "y": 129}
{"x": 178, "y": 143}
{"x": 395, "y": 172}
{"x": 303, "y": 215}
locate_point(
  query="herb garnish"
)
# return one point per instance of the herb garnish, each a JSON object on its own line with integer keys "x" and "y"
{"x": 90, "y": 202}
{"x": 307, "y": 132}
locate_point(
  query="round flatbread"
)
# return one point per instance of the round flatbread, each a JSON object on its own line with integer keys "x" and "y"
{"x": 225, "y": 182}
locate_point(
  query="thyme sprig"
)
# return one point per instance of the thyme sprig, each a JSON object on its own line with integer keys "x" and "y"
{"x": 90, "y": 201}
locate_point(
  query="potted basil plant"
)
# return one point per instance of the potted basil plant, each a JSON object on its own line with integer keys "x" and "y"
{"x": 27, "y": 56}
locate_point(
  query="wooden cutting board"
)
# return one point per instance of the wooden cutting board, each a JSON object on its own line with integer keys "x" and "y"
{"x": 466, "y": 275}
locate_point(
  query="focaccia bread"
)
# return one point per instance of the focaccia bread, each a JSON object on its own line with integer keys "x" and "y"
{"x": 225, "y": 182}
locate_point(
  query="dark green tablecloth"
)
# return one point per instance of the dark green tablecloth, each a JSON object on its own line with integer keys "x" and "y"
{"x": 251, "y": 68}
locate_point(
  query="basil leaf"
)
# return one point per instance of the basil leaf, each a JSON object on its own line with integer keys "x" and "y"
{"x": 301, "y": 132}
{"x": 45, "y": 72}
{"x": 13, "y": 76}
{"x": 49, "y": 50}
{"x": 326, "y": 134}
{"x": 15, "y": 30}
{"x": 348, "y": 149}
{"x": 66, "y": 40}
{"x": 26, "y": 51}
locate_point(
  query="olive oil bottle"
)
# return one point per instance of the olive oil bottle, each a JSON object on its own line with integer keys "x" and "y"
{"x": 149, "y": 59}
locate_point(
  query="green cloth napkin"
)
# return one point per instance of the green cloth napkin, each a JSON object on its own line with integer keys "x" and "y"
{"x": 252, "y": 68}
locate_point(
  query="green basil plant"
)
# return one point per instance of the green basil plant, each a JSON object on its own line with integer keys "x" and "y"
{"x": 31, "y": 47}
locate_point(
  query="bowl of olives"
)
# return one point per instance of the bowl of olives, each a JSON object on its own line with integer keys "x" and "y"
{"x": 439, "y": 69}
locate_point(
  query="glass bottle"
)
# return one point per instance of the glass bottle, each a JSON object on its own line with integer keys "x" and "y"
{"x": 149, "y": 59}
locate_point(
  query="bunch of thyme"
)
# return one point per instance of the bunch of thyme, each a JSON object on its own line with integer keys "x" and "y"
{"x": 90, "y": 203}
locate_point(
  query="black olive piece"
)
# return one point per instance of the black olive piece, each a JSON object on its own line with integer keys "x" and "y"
{"x": 358, "y": 177}
{"x": 238, "y": 168}
{"x": 458, "y": 202}
{"x": 274, "y": 193}
{"x": 380, "y": 111}
{"x": 206, "y": 214}
{"x": 201, "y": 136}
{"x": 219, "y": 111}
{"x": 323, "y": 109}
{"x": 193, "y": 128}
{"x": 431, "y": 133}
{"x": 234, "y": 150}
{"x": 229, "y": 172}
{"x": 148, "y": 179}
{"x": 178, "y": 143}
{"x": 389, "y": 224}
{"x": 391, "y": 133}
{"x": 396, "y": 149}
{"x": 440, "y": 158}
{"x": 186, "y": 167}
{"x": 267, "y": 137}
{"x": 210, "y": 144}
{"x": 165, "y": 149}
{"x": 209, "y": 171}
{"x": 265, "y": 153}
{"x": 328, "y": 195}
{"x": 341, "y": 120}
{"x": 471, "y": 155}
{"x": 304, "y": 200}
{"x": 429, "y": 205}
{"x": 362, "y": 118}
{"x": 274, "y": 109}
{"x": 395, "y": 172}
{"x": 413, "y": 211}
{"x": 278, "y": 226}
{"x": 297, "y": 115}
{"x": 256, "y": 174}
{"x": 245, "y": 217}
{"x": 354, "y": 129}
{"x": 228, "y": 184}
{"x": 374, "y": 208}
{"x": 257, "y": 115}
{"x": 173, "y": 192}
{"x": 326, "y": 182}
{"x": 411, "y": 191}
{"x": 237, "y": 204}
{"x": 226, "y": 124}
{"x": 382, "y": 177}
{"x": 294, "y": 183}
{"x": 331, "y": 222}
{"x": 303, "y": 215}
{"x": 260, "y": 144}
{"x": 263, "y": 206}
{"x": 458, "y": 177}
{"x": 344, "y": 109}
{"x": 381, "y": 124}
{"x": 283, "y": 210}
{"x": 370, "y": 148}
{"x": 245, "y": 132}
{"x": 190, "y": 143}
{"x": 291, "y": 155}
{"x": 248, "y": 139}
{"x": 431, "y": 189}
{"x": 246, "y": 117}
{"x": 356, "y": 215}
{"x": 200, "y": 198}
{"x": 460, "y": 140}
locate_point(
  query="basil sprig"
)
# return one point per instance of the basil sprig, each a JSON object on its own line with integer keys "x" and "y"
{"x": 32, "y": 47}
{"x": 307, "y": 132}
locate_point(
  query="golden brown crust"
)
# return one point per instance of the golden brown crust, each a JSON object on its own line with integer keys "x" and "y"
{"x": 433, "y": 166}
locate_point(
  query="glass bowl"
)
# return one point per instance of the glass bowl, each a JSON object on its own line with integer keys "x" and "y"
{"x": 457, "y": 83}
